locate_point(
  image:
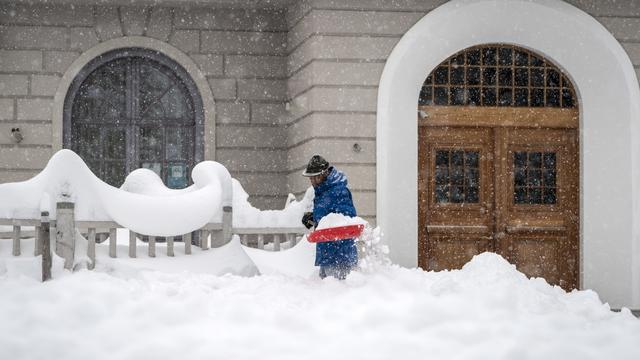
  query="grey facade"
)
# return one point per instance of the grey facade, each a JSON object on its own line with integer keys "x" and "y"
{"x": 289, "y": 78}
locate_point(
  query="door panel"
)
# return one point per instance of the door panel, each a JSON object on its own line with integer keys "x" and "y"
{"x": 537, "y": 225}
{"x": 456, "y": 197}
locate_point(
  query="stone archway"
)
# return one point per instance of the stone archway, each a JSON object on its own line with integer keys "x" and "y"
{"x": 607, "y": 89}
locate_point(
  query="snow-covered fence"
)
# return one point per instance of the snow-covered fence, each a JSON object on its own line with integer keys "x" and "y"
{"x": 85, "y": 210}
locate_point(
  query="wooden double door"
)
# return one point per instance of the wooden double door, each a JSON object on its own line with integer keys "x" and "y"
{"x": 509, "y": 190}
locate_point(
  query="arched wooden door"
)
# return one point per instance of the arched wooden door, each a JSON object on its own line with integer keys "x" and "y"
{"x": 498, "y": 164}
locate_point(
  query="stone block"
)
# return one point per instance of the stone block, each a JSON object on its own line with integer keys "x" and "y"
{"x": 262, "y": 89}
{"x": 34, "y": 134}
{"x": 223, "y": 89}
{"x": 82, "y": 38}
{"x": 210, "y": 65}
{"x": 296, "y": 11}
{"x": 7, "y": 176}
{"x": 633, "y": 50}
{"x": 361, "y": 177}
{"x": 231, "y": 19}
{"x": 334, "y": 150}
{"x": 269, "y": 184}
{"x": 34, "y": 109}
{"x": 342, "y": 99}
{"x": 17, "y": 157}
{"x": 365, "y": 203}
{"x": 353, "y": 22}
{"x": 44, "y": 85}
{"x": 335, "y": 73}
{"x": 186, "y": 40}
{"x": 268, "y": 113}
{"x": 623, "y": 29}
{"x": 380, "y": 5}
{"x": 608, "y": 7}
{"x": 255, "y": 66}
{"x": 232, "y": 112}
{"x": 332, "y": 124}
{"x": 134, "y": 19}
{"x": 33, "y": 37}
{"x": 6, "y": 109}
{"x": 59, "y": 61}
{"x": 159, "y": 26}
{"x": 108, "y": 23}
{"x": 43, "y": 14}
{"x": 267, "y": 202}
{"x": 20, "y": 60}
{"x": 251, "y": 43}
{"x": 252, "y": 160}
{"x": 250, "y": 136}
{"x": 14, "y": 84}
{"x": 367, "y": 49}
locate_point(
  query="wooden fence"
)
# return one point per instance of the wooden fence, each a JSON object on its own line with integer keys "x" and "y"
{"x": 62, "y": 233}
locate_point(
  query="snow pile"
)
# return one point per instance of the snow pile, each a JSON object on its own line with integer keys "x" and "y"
{"x": 67, "y": 178}
{"x": 487, "y": 310}
{"x": 335, "y": 220}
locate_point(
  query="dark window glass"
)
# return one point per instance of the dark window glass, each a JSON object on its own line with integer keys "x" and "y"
{"x": 521, "y": 77}
{"x": 553, "y": 78}
{"x": 457, "y": 158}
{"x": 442, "y": 175}
{"x": 520, "y": 175}
{"x": 426, "y": 95}
{"x": 553, "y": 97}
{"x": 505, "y": 56}
{"x": 429, "y": 79}
{"x": 489, "y": 76}
{"x": 537, "y": 97}
{"x": 520, "y": 159}
{"x": 549, "y": 196}
{"x": 489, "y": 97}
{"x": 441, "y": 75}
{"x": 535, "y": 160}
{"x": 567, "y": 98}
{"x": 440, "y": 96}
{"x": 537, "y": 77}
{"x": 549, "y": 160}
{"x": 521, "y": 58}
{"x": 442, "y": 194}
{"x": 506, "y": 97}
{"x": 505, "y": 77}
{"x": 458, "y": 60}
{"x": 472, "y": 195}
{"x": 473, "y": 76}
{"x": 535, "y": 196}
{"x": 549, "y": 178}
{"x": 489, "y": 56}
{"x": 534, "y": 177}
{"x": 457, "y": 96}
{"x": 457, "y": 194}
{"x": 471, "y": 177}
{"x": 520, "y": 195}
{"x": 442, "y": 158}
{"x": 536, "y": 61}
{"x": 457, "y": 175}
{"x": 472, "y": 158}
{"x": 474, "y": 96}
{"x": 521, "y": 97}
{"x": 473, "y": 57}
{"x": 457, "y": 76}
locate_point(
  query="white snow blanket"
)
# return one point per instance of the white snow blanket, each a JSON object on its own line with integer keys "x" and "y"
{"x": 487, "y": 310}
{"x": 143, "y": 203}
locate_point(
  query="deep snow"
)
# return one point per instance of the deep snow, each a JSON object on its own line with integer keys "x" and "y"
{"x": 487, "y": 310}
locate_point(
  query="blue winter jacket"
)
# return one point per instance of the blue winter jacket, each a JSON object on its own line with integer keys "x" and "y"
{"x": 333, "y": 196}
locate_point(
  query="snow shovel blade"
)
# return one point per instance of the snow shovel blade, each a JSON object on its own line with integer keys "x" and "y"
{"x": 336, "y": 233}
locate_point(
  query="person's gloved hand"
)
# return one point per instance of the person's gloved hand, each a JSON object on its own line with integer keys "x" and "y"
{"x": 307, "y": 220}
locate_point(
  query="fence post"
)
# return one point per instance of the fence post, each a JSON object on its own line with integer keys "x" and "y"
{"x": 113, "y": 242}
{"x": 204, "y": 239}
{"x": 65, "y": 232}
{"x": 44, "y": 235}
{"x": 91, "y": 250}
{"x": 187, "y": 243}
{"x": 37, "y": 247}
{"x": 170, "y": 246}
{"x": 16, "y": 239}
{"x": 227, "y": 224}
{"x": 152, "y": 246}
{"x": 132, "y": 244}
{"x": 276, "y": 242}
{"x": 261, "y": 241}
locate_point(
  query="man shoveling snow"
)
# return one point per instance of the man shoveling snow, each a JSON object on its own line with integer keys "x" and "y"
{"x": 335, "y": 258}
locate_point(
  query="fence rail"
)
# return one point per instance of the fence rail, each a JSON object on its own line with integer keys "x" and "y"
{"x": 62, "y": 233}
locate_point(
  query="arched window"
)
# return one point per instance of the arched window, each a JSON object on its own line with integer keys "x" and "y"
{"x": 135, "y": 108}
{"x": 497, "y": 75}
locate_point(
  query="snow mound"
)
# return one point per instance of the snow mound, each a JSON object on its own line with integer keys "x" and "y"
{"x": 335, "y": 220}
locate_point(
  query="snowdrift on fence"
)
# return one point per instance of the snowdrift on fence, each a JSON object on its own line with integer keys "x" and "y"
{"x": 143, "y": 203}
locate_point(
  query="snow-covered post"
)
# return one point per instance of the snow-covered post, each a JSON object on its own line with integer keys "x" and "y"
{"x": 187, "y": 243}
{"x": 113, "y": 242}
{"x": 227, "y": 219}
{"x": 45, "y": 240}
{"x": 16, "y": 239}
{"x": 65, "y": 232}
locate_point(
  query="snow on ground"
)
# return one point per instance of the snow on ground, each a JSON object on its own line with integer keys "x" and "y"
{"x": 121, "y": 310}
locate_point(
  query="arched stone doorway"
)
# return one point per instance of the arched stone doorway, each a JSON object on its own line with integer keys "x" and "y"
{"x": 498, "y": 163}
{"x": 135, "y": 108}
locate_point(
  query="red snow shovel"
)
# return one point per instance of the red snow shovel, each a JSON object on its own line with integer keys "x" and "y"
{"x": 336, "y": 233}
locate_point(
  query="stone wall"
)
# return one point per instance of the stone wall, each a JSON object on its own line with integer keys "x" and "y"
{"x": 241, "y": 52}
